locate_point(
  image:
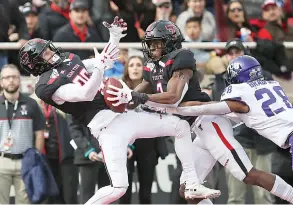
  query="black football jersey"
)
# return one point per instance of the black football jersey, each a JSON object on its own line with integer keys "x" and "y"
{"x": 160, "y": 72}
{"x": 71, "y": 70}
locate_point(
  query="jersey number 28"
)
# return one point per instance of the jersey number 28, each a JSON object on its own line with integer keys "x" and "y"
{"x": 259, "y": 94}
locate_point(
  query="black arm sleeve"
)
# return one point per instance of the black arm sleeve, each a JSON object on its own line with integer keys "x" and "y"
{"x": 44, "y": 91}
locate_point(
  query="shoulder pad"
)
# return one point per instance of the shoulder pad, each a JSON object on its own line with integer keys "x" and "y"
{"x": 173, "y": 54}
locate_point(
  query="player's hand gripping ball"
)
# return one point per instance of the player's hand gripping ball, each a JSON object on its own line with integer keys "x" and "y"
{"x": 114, "y": 82}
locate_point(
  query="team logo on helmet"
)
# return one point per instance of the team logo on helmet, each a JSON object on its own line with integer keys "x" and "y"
{"x": 171, "y": 28}
{"x": 255, "y": 73}
{"x": 24, "y": 59}
{"x": 234, "y": 68}
{"x": 149, "y": 30}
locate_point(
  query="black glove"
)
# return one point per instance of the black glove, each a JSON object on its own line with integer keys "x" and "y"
{"x": 139, "y": 98}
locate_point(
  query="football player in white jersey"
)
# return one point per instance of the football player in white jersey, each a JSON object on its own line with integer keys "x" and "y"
{"x": 261, "y": 105}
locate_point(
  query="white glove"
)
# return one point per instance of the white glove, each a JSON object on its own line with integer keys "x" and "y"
{"x": 122, "y": 95}
{"x": 108, "y": 56}
{"x": 116, "y": 28}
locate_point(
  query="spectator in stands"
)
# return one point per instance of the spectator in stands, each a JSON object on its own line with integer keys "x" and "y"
{"x": 278, "y": 30}
{"x": 137, "y": 14}
{"x": 252, "y": 8}
{"x": 193, "y": 34}
{"x": 32, "y": 20}
{"x": 100, "y": 11}
{"x": 11, "y": 22}
{"x": 37, "y": 3}
{"x": 271, "y": 55}
{"x": 146, "y": 151}
{"x": 54, "y": 17}
{"x": 210, "y": 5}
{"x": 21, "y": 128}
{"x": 88, "y": 158}
{"x": 238, "y": 25}
{"x": 164, "y": 10}
{"x": 77, "y": 29}
{"x": 59, "y": 154}
{"x": 208, "y": 24}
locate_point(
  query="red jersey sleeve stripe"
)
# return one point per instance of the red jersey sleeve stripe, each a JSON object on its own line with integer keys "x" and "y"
{"x": 52, "y": 80}
{"x": 169, "y": 62}
{"x": 146, "y": 69}
{"x": 71, "y": 56}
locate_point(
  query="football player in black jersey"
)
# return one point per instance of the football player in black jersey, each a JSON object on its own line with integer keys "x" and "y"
{"x": 171, "y": 73}
{"x": 64, "y": 82}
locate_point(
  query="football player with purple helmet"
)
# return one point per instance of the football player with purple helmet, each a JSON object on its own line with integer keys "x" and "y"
{"x": 260, "y": 104}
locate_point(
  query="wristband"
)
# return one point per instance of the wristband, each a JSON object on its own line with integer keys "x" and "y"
{"x": 132, "y": 147}
{"x": 86, "y": 155}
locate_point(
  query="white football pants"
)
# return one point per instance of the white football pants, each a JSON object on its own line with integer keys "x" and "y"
{"x": 215, "y": 142}
{"x": 123, "y": 130}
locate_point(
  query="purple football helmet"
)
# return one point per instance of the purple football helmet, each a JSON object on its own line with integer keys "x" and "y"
{"x": 244, "y": 69}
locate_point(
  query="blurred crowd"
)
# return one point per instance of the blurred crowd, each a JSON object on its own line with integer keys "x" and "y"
{"x": 267, "y": 22}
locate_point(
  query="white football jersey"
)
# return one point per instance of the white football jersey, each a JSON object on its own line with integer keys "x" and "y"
{"x": 270, "y": 114}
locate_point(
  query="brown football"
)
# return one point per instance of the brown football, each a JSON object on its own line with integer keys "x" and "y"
{"x": 114, "y": 82}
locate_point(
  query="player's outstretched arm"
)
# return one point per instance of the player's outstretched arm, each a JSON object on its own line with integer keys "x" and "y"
{"x": 176, "y": 89}
{"x": 75, "y": 92}
{"x": 195, "y": 108}
{"x": 116, "y": 30}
